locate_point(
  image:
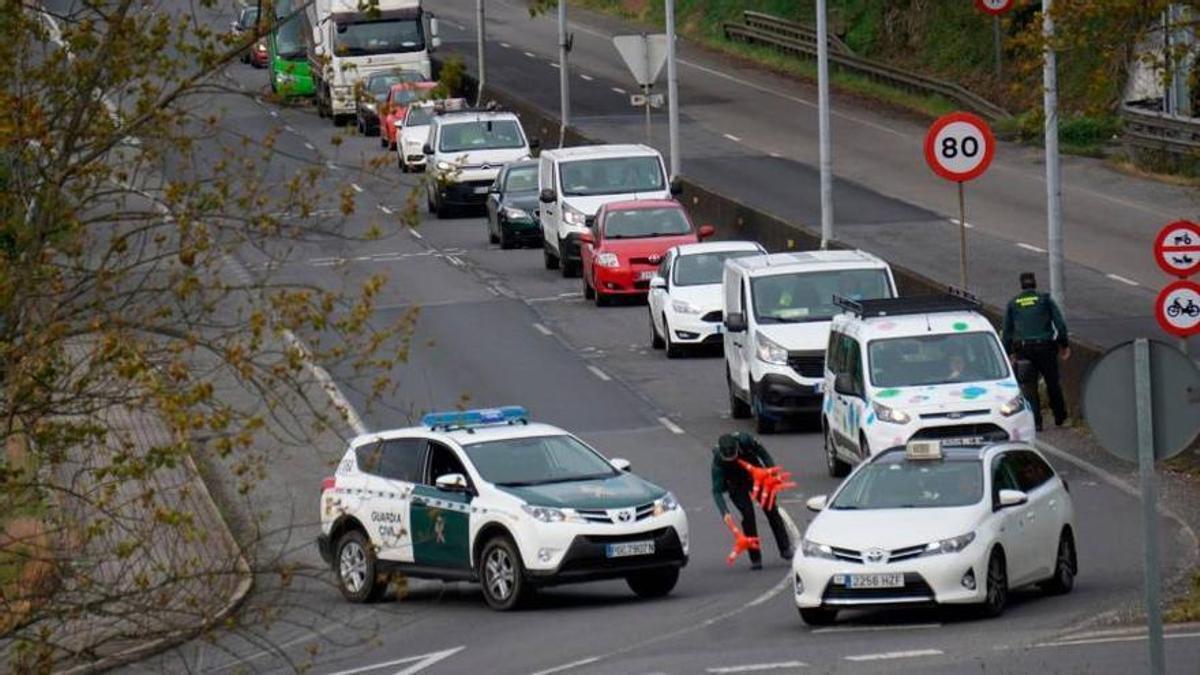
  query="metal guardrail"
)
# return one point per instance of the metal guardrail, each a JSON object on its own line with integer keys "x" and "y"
{"x": 1148, "y": 130}
{"x": 799, "y": 45}
{"x": 792, "y": 29}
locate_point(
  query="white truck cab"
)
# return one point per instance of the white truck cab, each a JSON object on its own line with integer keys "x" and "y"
{"x": 465, "y": 151}
{"x": 916, "y": 368}
{"x": 777, "y": 313}
{"x": 575, "y": 182}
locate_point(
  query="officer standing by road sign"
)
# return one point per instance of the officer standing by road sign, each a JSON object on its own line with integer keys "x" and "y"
{"x": 1035, "y": 337}
{"x": 728, "y": 476}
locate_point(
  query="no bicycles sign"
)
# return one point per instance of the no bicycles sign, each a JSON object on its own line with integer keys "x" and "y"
{"x": 1178, "y": 308}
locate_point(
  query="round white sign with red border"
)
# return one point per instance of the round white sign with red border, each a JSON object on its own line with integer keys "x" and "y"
{"x": 994, "y": 6}
{"x": 1178, "y": 308}
{"x": 1177, "y": 249}
{"x": 959, "y": 147}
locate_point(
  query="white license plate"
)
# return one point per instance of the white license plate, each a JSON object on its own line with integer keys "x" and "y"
{"x": 646, "y": 276}
{"x": 964, "y": 440}
{"x": 874, "y": 581}
{"x": 628, "y": 549}
{"x": 481, "y": 190}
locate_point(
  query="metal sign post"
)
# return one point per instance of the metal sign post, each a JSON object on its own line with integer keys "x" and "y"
{"x": 672, "y": 94}
{"x": 959, "y": 147}
{"x": 1145, "y": 443}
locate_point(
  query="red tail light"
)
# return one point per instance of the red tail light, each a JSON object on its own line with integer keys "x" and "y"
{"x": 328, "y": 484}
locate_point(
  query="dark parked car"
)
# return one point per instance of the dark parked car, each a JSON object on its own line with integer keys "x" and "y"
{"x": 511, "y": 205}
{"x": 373, "y": 93}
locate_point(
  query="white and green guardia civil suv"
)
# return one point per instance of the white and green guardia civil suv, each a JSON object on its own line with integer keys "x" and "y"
{"x": 487, "y": 496}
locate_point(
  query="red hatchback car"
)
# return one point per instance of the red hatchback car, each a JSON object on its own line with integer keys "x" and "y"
{"x": 395, "y": 107}
{"x": 622, "y": 251}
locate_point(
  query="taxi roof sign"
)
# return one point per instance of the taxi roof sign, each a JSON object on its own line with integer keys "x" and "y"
{"x": 466, "y": 419}
{"x": 923, "y": 450}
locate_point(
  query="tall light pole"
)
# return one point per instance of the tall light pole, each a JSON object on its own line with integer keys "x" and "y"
{"x": 564, "y": 80}
{"x": 479, "y": 38}
{"x": 826, "y": 151}
{"x": 1054, "y": 239}
{"x": 672, "y": 92}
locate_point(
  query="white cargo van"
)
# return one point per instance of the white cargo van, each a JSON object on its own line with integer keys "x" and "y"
{"x": 575, "y": 182}
{"x": 777, "y": 313}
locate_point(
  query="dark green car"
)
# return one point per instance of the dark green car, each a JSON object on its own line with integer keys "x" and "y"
{"x": 512, "y": 207}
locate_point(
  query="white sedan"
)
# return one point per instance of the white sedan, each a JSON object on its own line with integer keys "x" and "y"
{"x": 924, "y": 525}
{"x": 685, "y": 297}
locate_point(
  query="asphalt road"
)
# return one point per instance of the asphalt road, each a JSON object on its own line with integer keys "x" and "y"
{"x": 753, "y": 136}
{"x": 494, "y": 327}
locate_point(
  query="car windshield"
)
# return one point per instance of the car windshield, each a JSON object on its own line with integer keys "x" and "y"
{"x": 408, "y": 93}
{"x": 249, "y": 18}
{"x": 808, "y": 296}
{"x": 418, "y": 116}
{"x": 947, "y": 358}
{"x": 539, "y": 460}
{"x": 288, "y": 43}
{"x": 619, "y": 175}
{"x": 485, "y": 135}
{"x": 381, "y": 83}
{"x": 639, "y": 223}
{"x": 521, "y": 179}
{"x": 903, "y": 484}
{"x": 699, "y": 269}
{"x": 389, "y": 36}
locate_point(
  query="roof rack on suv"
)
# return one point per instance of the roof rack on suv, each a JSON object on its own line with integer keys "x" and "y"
{"x": 468, "y": 419}
{"x": 953, "y": 300}
{"x": 489, "y": 107}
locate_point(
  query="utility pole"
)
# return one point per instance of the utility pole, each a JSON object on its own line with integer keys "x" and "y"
{"x": 1054, "y": 236}
{"x": 480, "y": 53}
{"x": 564, "y": 79}
{"x": 672, "y": 93}
{"x": 826, "y": 151}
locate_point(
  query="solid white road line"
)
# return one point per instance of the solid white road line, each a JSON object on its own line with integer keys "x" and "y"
{"x": 619, "y": 90}
{"x": 327, "y": 383}
{"x": 1126, "y": 638}
{"x": 385, "y": 209}
{"x": 356, "y": 188}
{"x": 1118, "y": 277}
{"x": 884, "y": 656}
{"x": 568, "y": 666}
{"x": 870, "y": 629}
{"x": 733, "y": 138}
{"x": 1031, "y": 247}
{"x": 599, "y": 373}
{"x": 671, "y": 426}
{"x": 415, "y": 233}
{"x": 587, "y": 77}
{"x": 759, "y": 667}
{"x": 542, "y": 329}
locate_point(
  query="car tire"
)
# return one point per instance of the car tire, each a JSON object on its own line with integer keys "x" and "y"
{"x": 996, "y": 585}
{"x": 442, "y": 210}
{"x": 568, "y": 268}
{"x": 674, "y": 351}
{"x": 818, "y": 616}
{"x": 653, "y": 584}
{"x": 1066, "y": 566}
{"x": 602, "y": 299}
{"x": 762, "y": 425}
{"x": 501, "y": 574}
{"x": 355, "y": 566}
{"x": 837, "y": 468}
{"x": 656, "y": 341}
{"x": 400, "y": 163}
{"x": 507, "y": 242}
{"x": 589, "y": 293}
{"x": 738, "y": 409}
{"x": 549, "y": 259}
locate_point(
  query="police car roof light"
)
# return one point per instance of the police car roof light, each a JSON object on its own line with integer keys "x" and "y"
{"x": 466, "y": 419}
{"x": 923, "y": 450}
{"x": 913, "y": 304}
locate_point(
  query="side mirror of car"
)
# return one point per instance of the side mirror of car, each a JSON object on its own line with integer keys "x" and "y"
{"x": 735, "y": 322}
{"x": 658, "y": 282}
{"x": 586, "y": 237}
{"x": 816, "y": 504}
{"x": 547, "y": 196}
{"x": 620, "y": 464}
{"x": 451, "y": 482}
{"x": 843, "y": 383}
{"x": 706, "y": 231}
{"x": 1011, "y": 498}
{"x": 676, "y": 187}
{"x": 435, "y": 39}
{"x": 427, "y": 149}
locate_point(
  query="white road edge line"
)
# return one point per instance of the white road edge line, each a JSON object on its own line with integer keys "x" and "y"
{"x": 1030, "y": 247}
{"x": 1118, "y": 277}
{"x": 884, "y": 656}
{"x": 733, "y": 138}
{"x": 356, "y": 188}
{"x": 416, "y": 234}
{"x": 1099, "y": 641}
{"x": 542, "y": 329}
{"x": 599, "y": 373}
{"x": 587, "y": 77}
{"x": 758, "y": 667}
{"x": 568, "y": 666}
{"x": 671, "y": 426}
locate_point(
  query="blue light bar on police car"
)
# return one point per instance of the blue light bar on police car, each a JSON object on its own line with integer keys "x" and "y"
{"x": 474, "y": 418}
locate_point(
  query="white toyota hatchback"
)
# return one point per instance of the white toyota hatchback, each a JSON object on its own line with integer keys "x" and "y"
{"x": 685, "y": 294}
{"x": 925, "y": 525}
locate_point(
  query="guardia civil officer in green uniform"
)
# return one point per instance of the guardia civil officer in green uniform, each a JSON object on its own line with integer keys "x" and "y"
{"x": 1035, "y": 337}
{"x": 729, "y": 476}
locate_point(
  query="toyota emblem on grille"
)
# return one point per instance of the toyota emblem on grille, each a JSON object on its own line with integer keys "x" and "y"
{"x": 875, "y": 555}
{"x": 625, "y": 515}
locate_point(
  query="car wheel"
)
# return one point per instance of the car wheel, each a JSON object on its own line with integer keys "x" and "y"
{"x": 997, "y": 586}
{"x": 762, "y": 424}
{"x": 738, "y": 409}
{"x": 549, "y": 259}
{"x": 588, "y": 292}
{"x": 653, "y": 584}
{"x": 818, "y": 616}
{"x": 355, "y": 567}
{"x": 674, "y": 351}
{"x": 502, "y": 574}
{"x": 837, "y": 468}
{"x": 442, "y": 209}
{"x": 656, "y": 341}
{"x": 506, "y": 240}
{"x": 1065, "y": 567}
{"x": 567, "y": 266}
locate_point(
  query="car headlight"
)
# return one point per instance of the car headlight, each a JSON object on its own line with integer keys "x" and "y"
{"x": 545, "y": 514}
{"x": 811, "y": 549}
{"x": 951, "y": 545}
{"x": 886, "y": 414}
{"x": 443, "y": 165}
{"x": 609, "y": 260}
{"x": 515, "y": 214}
{"x": 367, "y": 105}
{"x": 665, "y": 503}
{"x": 573, "y": 216}
{"x": 1014, "y": 406}
{"x": 769, "y": 351}
{"x": 684, "y": 307}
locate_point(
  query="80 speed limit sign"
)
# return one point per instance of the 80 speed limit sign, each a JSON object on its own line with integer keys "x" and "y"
{"x": 959, "y": 147}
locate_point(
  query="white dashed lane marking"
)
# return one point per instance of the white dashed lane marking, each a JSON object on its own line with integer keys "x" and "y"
{"x": 1118, "y": 277}
{"x": 619, "y": 90}
{"x": 542, "y": 329}
{"x": 599, "y": 373}
{"x": 385, "y": 209}
{"x": 356, "y": 188}
{"x": 531, "y": 55}
{"x": 759, "y": 667}
{"x": 671, "y": 426}
{"x": 733, "y": 138}
{"x": 1031, "y": 247}
{"x": 587, "y": 77}
{"x": 310, "y": 146}
{"x": 885, "y": 656}
{"x": 506, "y": 45}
